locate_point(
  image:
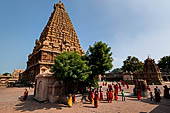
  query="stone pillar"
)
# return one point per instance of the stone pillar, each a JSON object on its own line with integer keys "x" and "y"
{"x": 35, "y": 86}
{"x": 142, "y": 86}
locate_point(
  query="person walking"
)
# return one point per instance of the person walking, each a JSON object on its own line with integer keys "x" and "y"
{"x": 157, "y": 94}
{"x": 151, "y": 96}
{"x": 115, "y": 96}
{"x": 25, "y": 95}
{"x": 69, "y": 101}
{"x": 139, "y": 94}
{"x": 96, "y": 99}
{"x": 92, "y": 97}
{"x": 123, "y": 95}
{"x": 127, "y": 85}
{"x": 101, "y": 94}
{"x": 107, "y": 94}
{"x": 110, "y": 96}
{"x": 123, "y": 83}
{"x": 120, "y": 87}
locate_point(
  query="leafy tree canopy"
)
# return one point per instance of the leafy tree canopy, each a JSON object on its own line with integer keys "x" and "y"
{"x": 99, "y": 57}
{"x": 132, "y": 64}
{"x": 117, "y": 70}
{"x": 6, "y": 74}
{"x": 70, "y": 66}
{"x": 164, "y": 63}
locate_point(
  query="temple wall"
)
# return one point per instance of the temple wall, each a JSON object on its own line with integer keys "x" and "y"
{"x": 48, "y": 88}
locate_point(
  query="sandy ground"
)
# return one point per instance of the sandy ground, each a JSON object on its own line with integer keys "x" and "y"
{"x": 9, "y": 103}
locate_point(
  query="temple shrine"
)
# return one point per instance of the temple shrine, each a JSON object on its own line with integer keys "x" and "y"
{"x": 151, "y": 73}
{"x": 58, "y": 36}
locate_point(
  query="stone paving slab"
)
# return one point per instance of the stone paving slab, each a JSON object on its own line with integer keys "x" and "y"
{"x": 9, "y": 103}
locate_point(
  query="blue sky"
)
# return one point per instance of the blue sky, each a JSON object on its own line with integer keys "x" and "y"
{"x": 131, "y": 27}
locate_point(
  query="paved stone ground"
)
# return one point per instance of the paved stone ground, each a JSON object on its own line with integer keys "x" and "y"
{"x": 9, "y": 103}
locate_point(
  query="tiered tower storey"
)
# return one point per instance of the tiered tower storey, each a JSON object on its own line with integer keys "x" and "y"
{"x": 58, "y": 36}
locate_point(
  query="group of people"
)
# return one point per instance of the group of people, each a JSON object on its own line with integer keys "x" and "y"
{"x": 117, "y": 88}
{"x": 119, "y": 84}
{"x": 96, "y": 95}
{"x": 155, "y": 97}
{"x": 157, "y": 93}
{"x": 110, "y": 93}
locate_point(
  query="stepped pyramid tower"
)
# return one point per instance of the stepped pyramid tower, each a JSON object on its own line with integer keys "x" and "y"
{"x": 58, "y": 35}
{"x": 151, "y": 73}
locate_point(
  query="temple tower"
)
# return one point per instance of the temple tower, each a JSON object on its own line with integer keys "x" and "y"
{"x": 58, "y": 36}
{"x": 151, "y": 73}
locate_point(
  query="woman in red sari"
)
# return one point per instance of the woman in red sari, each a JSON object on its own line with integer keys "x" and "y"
{"x": 101, "y": 93}
{"x": 103, "y": 83}
{"x": 123, "y": 83}
{"x": 139, "y": 94}
{"x": 116, "y": 97}
{"x": 127, "y": 85}
{"x": 120, "y": 87}
{"x": 110, "y": 96}
{"x": 116, "y": 89}
{"x": 25, "y": 95}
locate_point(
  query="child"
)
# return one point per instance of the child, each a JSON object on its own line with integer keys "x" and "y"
{"x": 151, "y": 96}
{"x": 123, "y": 95}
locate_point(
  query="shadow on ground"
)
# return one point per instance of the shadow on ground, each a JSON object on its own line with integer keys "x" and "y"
{"x": 31, "y": 105}
{"x": 163, "y": 106}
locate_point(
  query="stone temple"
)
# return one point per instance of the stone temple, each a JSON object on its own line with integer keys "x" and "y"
{"x": 58, "y": 36}
{"x": 151, "y": 73}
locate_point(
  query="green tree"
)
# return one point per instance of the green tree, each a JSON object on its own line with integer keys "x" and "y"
{"x": 117, "y": 70}
{"x": 132, "y": 64}
{"x": 99, "y": 57}
{"x": 164, "y": 63}
{"x": 5, "y": 74}
{"x": 71, "y": 68}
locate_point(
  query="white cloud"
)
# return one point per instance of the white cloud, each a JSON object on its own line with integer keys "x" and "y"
{"x": 140, "y": 28}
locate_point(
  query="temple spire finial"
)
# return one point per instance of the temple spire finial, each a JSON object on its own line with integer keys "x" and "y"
{"x": 149, "y": 56}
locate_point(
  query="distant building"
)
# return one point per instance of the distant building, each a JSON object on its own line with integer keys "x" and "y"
{"x": 166, "y": 75}
{"x": 113, "y": 76}
{"x": 5, "y": 80}
{"x": 151, "y": 73}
